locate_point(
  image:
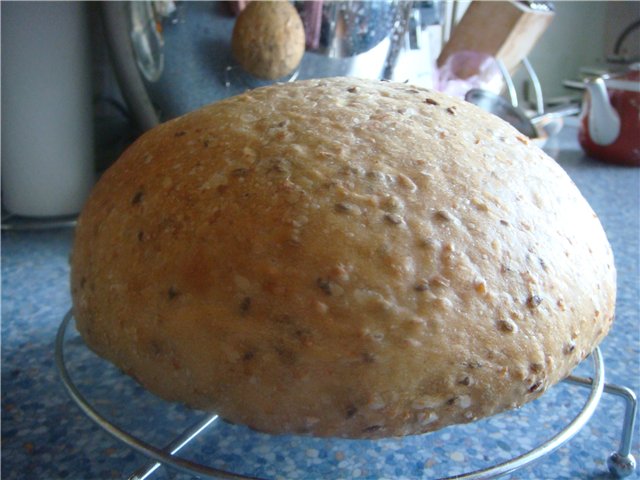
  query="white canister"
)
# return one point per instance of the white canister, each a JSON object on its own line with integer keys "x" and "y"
{"x": 47, "y": 122}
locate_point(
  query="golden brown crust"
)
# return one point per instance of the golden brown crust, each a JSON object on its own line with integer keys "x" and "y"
{"x": 268, "y": 39}
{"x": 341, "y": 258}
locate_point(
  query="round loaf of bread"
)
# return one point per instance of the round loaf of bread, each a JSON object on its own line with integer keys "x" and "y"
{"x": 341, "y": 257}
{"x": 268, "y": 39}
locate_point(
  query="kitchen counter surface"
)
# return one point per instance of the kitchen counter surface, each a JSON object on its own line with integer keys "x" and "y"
{"x": 45, "y": 435}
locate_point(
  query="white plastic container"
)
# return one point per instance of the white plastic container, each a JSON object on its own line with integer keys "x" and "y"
{"x": 47, "y": 130}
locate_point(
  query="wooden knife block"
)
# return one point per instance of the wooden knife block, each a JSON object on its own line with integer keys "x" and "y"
{"x": 507, "y": 31}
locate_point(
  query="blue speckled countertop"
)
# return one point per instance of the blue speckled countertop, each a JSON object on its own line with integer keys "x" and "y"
{"x": 45, "y": 435}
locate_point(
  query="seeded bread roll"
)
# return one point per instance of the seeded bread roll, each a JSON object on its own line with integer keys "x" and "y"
{"x": 268, "y": 39}
{"x": 340, "y": 257}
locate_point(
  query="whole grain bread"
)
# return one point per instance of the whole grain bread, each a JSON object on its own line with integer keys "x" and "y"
{"x": 341, "y": 257}
{"x": 268, "y": 39}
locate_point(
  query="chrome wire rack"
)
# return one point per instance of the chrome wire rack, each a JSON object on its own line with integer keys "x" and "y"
{"x": 621, "y": 462}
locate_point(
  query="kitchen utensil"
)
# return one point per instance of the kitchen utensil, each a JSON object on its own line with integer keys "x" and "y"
{"x": 610, "y": 124}
{"x": 530, "y": 126}
{"x": 69, "y": 349}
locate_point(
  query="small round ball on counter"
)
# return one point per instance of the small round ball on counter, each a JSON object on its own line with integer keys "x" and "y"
{"x": 268, "y": 39}
{"x": 341, "y": 257}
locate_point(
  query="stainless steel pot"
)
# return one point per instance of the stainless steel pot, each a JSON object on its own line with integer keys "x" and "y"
{"x": 530, "y": 126}
{"x": 341, "y": 29}
{"x": 169, "y": 66}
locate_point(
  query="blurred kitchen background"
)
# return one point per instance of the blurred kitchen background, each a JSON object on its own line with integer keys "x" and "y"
{"x": 82, "y": 80}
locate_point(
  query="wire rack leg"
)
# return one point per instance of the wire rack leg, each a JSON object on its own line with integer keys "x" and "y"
{"x": 622, "y": 463}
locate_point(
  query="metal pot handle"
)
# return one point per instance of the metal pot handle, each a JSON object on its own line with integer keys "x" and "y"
{"x": 116, "y": 24}
{"x": 511, "y": 89}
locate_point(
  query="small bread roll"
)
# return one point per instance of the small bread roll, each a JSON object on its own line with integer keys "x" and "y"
{"x": 268, "y": 39}
{"x": 341, "y": 257}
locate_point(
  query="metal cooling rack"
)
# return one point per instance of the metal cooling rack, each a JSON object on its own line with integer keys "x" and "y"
{"x": 621, "y": 463}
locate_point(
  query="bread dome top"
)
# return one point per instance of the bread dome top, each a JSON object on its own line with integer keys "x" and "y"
{"x": 341, "y": 257}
